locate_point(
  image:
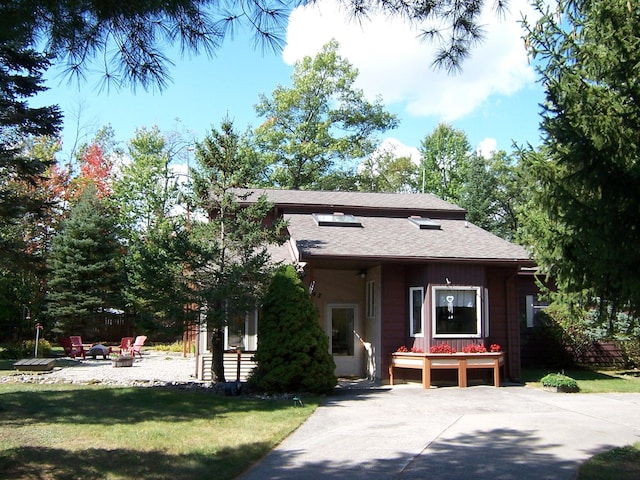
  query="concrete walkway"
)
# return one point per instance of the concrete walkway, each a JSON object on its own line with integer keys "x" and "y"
{"x": 406, "y": 432}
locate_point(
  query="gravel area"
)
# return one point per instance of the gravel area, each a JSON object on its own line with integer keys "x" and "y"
{"x": 153, "y": 369}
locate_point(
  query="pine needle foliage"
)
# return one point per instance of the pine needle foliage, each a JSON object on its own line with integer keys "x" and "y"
{"x": 582, "y": 221}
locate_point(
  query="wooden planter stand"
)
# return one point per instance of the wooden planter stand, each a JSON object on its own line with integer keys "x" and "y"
{"x": 456, "y": 361}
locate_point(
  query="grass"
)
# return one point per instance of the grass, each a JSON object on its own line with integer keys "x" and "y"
{"x": 591, "y": 381}
{"x": 67, "y": 432}
{"x": 175, "y": 347}
{"x": 618, "y": 464}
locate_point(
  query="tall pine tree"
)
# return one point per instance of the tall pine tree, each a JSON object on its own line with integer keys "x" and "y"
{"x": 234, "y": 265}
{"x": 86, "y": 270}
{"x": 583, "y": 220}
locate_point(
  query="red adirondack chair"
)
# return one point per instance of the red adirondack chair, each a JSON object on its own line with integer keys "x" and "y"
{"x": 125, "y": 344}
{"x": 76, "y": 342}
{"x": 137, "y": 345}
{"x": 69, "y": 349}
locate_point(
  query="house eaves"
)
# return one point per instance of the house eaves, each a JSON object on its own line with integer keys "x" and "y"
{"x": 360, "y": 203}
{"x": 397, "y": 239}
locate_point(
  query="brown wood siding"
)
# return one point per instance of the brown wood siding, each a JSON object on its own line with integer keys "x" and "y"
{"x": 393, "y": 313}
{"x": 437, "y": 275}
{"x": 458, "y": 274}
{"x": 504, "y": 318}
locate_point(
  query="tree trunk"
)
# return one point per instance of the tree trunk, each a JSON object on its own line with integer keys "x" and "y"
{"x": 217, "y": 357}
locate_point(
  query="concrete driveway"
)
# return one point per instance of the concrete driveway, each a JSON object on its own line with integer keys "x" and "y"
{"x": 406, "y": 432}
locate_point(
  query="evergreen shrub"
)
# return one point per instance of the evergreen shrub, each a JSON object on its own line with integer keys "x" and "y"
{"x": 293, "y": 350}
{"x": 559, "y": 381}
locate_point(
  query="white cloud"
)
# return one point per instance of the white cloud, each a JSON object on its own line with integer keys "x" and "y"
{"x": 393, "y": 63}
{"x": 487, "y": 147}
{"x": 398, "y": 149}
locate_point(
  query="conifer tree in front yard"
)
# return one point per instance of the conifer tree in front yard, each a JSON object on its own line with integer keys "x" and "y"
{"x": 293, "y": 351}
{"x": 86, "y": 267}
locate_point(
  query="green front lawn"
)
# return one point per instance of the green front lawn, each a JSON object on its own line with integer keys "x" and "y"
{"x": 618, "y": 464}
{"x": 64, "y": 432}
{"x": 591, "y": 382}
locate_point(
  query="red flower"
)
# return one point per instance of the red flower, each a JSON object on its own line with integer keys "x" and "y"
{"x": 473, "y": 348}
{"x": 402, "y": 349}
{"x": 495, "y": 348}
{"x": 416, "y": 350}
{"x": 442, "y": 348}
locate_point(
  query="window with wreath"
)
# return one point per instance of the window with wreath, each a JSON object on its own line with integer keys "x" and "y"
{"x": 456, "y": 312}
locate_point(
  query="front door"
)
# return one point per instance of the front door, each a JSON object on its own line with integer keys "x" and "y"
{"x": 343, "y": 329}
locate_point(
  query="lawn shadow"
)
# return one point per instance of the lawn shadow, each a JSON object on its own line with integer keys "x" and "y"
{"x": 111, "y": 406}
{"x": 42, "y": 463}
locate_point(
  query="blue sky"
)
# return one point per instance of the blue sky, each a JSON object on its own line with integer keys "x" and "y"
{"x": 495, "y": 100}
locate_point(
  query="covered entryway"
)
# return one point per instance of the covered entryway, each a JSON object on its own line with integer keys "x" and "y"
{"x": 343, "y": 327}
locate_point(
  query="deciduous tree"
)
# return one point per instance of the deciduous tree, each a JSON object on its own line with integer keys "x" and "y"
{"x": 445, "y": 162}
{"x": 321, "y": 121}
{"x": 493, "y": 195}
{"x": 385, "y": 172}
{"x": 146, "y": 193}
{"x": 146, "y": 189}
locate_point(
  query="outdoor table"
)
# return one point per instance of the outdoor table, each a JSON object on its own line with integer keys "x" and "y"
{"x": 442, "y": 361}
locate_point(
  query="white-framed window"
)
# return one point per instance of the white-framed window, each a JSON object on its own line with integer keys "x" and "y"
{"x": 416, "y": 311}
{"x": 533, "y": 307}
{"x": 456, "y": 312}
{"x": 370, "y": 299}
{"x": 242, "y": 332}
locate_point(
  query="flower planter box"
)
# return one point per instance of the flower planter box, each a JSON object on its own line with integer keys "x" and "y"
{"x": 122, "y": 362}
{"x": 457, "y": 361}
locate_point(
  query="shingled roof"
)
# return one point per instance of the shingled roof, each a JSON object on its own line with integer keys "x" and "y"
{"x": 374, "y": 203}
{"x": 385, "y": 231}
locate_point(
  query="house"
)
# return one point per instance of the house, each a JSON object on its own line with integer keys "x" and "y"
{"x": 390, "y": 269}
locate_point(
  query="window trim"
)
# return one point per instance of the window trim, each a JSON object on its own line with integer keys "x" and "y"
{"x": 479, "y": 310}
{"x": 370, "y": 299}
{"x": 250, "y": 330}
{"x": 412, "y": 333}
{"x": 533, "y": 307}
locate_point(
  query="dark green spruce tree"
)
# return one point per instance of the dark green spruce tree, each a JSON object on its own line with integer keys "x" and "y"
{"x": 86, "y": 267}
{"x": 584, "y": 221}
{"x": 24, "y": 211}
{"x": 293, "y": 350}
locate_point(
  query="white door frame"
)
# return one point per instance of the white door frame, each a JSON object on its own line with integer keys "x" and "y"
{"x": 347, "y": 364}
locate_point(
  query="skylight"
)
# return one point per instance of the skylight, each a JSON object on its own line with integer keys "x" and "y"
{"x": 336, "y": 220}
{"x": 425, "y": 223}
